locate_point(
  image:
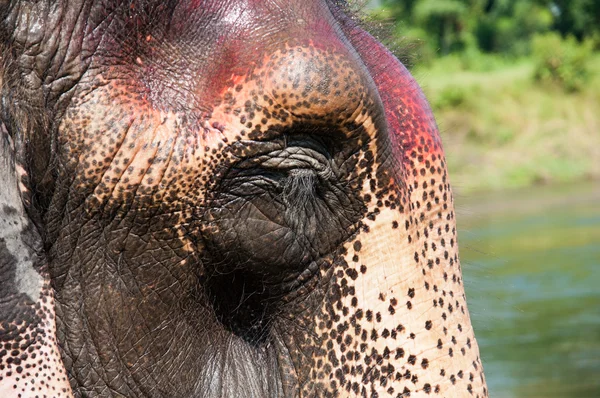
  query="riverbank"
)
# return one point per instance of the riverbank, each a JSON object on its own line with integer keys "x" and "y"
{"x": 503, "y": 130}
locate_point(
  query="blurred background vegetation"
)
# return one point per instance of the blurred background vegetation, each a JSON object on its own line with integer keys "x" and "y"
{"x": 515, "y": 88}
{"x": 514, "y": 84}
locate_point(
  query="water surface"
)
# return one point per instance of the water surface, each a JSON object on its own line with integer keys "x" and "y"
{"x": 531, "y": 263}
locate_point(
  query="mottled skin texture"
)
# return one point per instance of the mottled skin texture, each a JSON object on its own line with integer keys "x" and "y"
{"x": 222, "y": 199}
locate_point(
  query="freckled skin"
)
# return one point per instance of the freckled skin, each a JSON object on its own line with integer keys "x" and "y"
{"x": 232, "y": 198}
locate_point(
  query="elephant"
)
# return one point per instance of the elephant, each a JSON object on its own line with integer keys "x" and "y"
{"x": 222, "y": 198}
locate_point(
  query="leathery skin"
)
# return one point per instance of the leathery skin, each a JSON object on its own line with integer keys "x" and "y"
{"x": 222, "y": 199}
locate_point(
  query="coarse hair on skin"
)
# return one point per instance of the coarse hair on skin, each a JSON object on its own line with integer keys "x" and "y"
{"x": 382, "y": 30}
{"x": 300, "y": 188}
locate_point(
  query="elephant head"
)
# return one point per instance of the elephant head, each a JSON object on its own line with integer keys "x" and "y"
{"x": 221, "y": 198}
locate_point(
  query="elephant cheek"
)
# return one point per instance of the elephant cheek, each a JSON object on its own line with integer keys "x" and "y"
{"x": 404, "y": 322}
{"x": 399, "y": 311}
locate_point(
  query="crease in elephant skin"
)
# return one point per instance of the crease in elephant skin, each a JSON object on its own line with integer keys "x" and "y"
{"x": 212, "y": 198}
{"x": 27, "y": 327}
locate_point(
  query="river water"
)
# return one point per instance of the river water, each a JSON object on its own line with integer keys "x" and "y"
{"x": 531, "y": 264}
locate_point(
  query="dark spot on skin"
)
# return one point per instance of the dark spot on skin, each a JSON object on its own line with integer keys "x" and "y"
{"x": 399, "y": 353}
{"x": 9, "y": 210}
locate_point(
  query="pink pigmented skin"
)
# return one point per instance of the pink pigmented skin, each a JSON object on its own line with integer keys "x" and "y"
{"x": 228, "y": 33}
{"x": 408, "y": 114}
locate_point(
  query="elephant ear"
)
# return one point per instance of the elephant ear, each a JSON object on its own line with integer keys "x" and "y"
{"x": 30, "y": 363}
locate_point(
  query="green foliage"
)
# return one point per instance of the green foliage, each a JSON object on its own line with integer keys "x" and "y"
{"x": 450, "y": 97}
{"x": 443, "y": 19}
{"x": 562, "y": 61}
{"x": 580, "y": 18}
{"x": 504, "y": 27}
{"x": 510, "y": 29}
{"x": 502, "y": 129}
{"x": 473, "y": 59}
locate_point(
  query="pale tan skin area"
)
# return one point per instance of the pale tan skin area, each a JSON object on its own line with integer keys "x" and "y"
{"x": 398, "y": 282}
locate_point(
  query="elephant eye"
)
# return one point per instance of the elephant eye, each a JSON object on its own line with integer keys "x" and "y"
{"x": 287, "y": 203}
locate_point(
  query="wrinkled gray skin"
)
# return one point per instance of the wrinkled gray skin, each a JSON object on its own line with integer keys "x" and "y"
{"x": 221, "y": 198}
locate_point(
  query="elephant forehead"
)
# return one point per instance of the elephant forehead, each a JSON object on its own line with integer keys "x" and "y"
{"x": 127, "y": 137}
{"x": 199, "y": 44}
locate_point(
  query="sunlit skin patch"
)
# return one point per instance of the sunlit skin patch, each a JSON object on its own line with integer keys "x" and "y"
{"x": 389, "y": 336}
